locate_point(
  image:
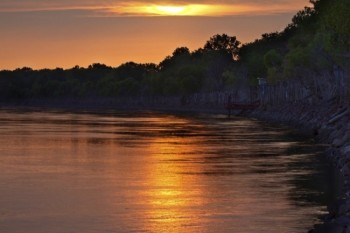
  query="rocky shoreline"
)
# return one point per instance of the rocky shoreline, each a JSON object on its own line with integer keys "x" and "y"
{"x": 329, "y": 124}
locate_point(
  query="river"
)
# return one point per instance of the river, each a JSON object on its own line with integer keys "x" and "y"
{"x": 154, "y": 172}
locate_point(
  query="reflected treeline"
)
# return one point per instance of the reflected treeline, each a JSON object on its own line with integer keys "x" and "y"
{"x": 228, "y": 147}
{"x": 222, "y": 147}
{"x": 322, "y": 185}
{"x": 168, "y": 171}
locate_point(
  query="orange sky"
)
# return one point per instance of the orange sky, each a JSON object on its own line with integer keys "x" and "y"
{"x": 59, "y": 33}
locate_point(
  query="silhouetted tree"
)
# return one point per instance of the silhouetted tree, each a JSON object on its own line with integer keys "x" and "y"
{"x": 223, "y": 42}
{"x": 181, "y": 51}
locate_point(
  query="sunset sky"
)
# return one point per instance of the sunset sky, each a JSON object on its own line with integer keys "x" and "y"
{"x": 65, "y": 33}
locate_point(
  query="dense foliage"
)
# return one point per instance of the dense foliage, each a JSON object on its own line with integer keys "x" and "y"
{"x": 315, "y": 41}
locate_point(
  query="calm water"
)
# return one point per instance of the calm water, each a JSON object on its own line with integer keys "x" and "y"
{"x": 69, "y": 172}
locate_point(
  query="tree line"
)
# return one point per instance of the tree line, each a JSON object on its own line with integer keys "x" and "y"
{"x": 317, "y": 39}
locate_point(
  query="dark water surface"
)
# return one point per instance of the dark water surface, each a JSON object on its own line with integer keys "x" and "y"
{"x": 114, "y": 172}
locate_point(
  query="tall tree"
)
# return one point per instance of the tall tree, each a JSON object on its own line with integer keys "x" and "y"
{"x": 223, "y": 42}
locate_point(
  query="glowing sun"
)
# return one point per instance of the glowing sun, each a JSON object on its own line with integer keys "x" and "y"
{"x": 159, "y": 9}
{"x": 168, "y": 10}
{"x": 164, "y": 10}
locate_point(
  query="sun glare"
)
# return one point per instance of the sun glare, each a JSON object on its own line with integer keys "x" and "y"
{"x": 168, "y": 10}
{"x": 138, "y": 9}
{"x": 165, "y": 10}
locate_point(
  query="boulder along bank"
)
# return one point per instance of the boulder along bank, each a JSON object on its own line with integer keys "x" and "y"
{"x": 329, "y": 123}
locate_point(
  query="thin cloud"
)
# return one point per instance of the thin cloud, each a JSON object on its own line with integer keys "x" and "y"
{"x": 140, "y": 9}
{"x": 110, "y": 8}
{"x": 51, "y": 8}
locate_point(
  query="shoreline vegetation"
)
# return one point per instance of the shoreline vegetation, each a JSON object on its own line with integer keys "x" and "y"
{"x": 300, "y": 76}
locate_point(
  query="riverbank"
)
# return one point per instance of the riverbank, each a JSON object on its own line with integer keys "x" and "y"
{"x": 329, "y": 124}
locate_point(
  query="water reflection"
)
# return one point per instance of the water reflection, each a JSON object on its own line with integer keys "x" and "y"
{"x": 145, "y": 172}
{"x": 171, "y": 194}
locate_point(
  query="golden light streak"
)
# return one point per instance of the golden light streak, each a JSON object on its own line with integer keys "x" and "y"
{"x": 170, "y": 8}
{"x": 141, "y": 9}
{"x": 162, "y": 10}
{"x": 173, "y": 194}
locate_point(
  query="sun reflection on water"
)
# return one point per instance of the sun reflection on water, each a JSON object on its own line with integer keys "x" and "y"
{"x": 172, "y": 194}
{"x": 154, "y": 174}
